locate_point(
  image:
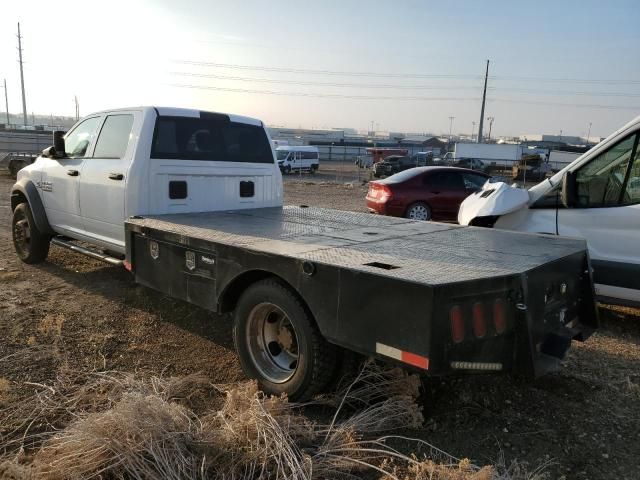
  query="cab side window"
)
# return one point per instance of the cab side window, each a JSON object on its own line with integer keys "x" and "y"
{"x": 114, "y": 137}
{"x": 605, "y": 180}
{"x": 77, "y": 141}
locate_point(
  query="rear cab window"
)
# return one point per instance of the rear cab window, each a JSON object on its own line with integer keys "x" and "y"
{"x": 213, "y": 138}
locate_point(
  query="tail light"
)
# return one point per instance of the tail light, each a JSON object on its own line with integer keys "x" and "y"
{"x": 457, "y": 324}
{"x": 479, "y": 322}
{"x": 380, "y": 192}
{"x": 499, "y": 317}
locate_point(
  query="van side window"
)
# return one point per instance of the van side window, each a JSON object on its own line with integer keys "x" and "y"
{"x": 602, "y": 182}
{"x": 114, "y": 137}
{"x": 77, "y": 140}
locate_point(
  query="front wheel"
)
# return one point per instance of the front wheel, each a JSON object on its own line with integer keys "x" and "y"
{"x": 279, "y": 344}
{"x": 31, "y": 245}
{"x": 418, "y": 211}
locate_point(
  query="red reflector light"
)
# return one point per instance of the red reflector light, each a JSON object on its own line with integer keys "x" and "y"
{"x": 499, "y": 318}
{"x": 457, "y": 324}
{"x": 127, "y": 265}
{"x": 479, "y": 322}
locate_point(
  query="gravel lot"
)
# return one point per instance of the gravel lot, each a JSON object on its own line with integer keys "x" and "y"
{"x": 75, "y": 313}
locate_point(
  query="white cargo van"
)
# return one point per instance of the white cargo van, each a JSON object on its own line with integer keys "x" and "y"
{"x": 298, "y": 158}
{"x": 596, "y": 197}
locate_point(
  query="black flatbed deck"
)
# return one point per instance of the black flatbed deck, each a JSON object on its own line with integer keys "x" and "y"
{"x": 421, "y": 252}
{"x": 380, "y": 285}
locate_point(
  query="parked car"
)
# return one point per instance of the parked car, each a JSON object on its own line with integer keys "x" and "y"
{"x": 596, "y": 197}
{"x": 397, "y": 163}
{"x": 424, "y": 193}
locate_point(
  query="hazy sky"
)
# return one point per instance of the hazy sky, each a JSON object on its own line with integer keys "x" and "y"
{"x": 405, "y": 65}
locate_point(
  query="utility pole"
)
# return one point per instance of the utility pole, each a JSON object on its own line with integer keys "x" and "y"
{"x": 588, "y": 133}
{"x": 6, "y": 102}
{"x": 24, "y": 100}
{"x": 450, "y": 127}
{"x": 484, "y": 99}
{"x": 473, "y": 129}
{"x": 75, "y": 99}
{"x": 490, "y": 120}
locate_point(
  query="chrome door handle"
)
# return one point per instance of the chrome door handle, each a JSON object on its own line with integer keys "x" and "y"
{"x": 73, "y": 173}
{"x": 116, "y": 176}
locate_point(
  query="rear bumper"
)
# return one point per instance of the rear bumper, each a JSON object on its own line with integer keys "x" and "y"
{"x": 385, "y": 208}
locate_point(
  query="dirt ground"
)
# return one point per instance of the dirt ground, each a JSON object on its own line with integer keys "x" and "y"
{"x": 75, "y": 313}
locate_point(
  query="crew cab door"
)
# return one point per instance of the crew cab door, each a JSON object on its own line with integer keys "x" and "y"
{"x": 59, "y": 184}
{"x": 607, "y": 215}
{"x": 104, "y": 178}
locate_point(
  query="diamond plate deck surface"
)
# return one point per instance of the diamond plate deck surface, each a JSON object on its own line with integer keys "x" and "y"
{"x": 422, "y": 252}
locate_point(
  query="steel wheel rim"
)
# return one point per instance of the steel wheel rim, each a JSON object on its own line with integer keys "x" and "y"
{"x": 419, "y": 212}
{"x": 272, "y": 342}
{"x": 22, "y": 235}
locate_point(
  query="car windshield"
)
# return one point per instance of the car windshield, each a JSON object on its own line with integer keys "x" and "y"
{"x": 282, "y": 154}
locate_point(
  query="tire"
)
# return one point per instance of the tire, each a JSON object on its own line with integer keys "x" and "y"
{"x": 314, "y": 169}
{"x": 279, "y": 344}
{"x": 418, "y": 211}
{"x": 287, "y": 169}
{"x": 31, "y": 245}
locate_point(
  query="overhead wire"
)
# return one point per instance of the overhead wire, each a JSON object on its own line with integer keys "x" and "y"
{"x": 399, "y": 98}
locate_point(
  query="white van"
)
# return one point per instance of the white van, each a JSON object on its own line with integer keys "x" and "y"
{"x": 596, "y": 197}
{"x": 298, "y": 158}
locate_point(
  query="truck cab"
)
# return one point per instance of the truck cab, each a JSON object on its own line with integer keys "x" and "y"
{"x": 596, "y": 197}
{"x": 116, "y": 164}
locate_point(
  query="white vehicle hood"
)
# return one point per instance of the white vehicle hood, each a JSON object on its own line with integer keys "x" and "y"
{"x": 494, "y": 199}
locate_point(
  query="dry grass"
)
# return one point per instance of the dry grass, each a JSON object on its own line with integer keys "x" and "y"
{"x": 116, "y": 425}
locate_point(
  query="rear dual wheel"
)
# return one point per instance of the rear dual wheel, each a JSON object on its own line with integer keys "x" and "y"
{"x": 279, "y": 344}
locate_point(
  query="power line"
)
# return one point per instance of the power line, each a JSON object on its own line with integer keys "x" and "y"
{"x": 397, "y": 98}
{"x": 559, "y": 104}
{"x": 321, "y": 95}
{"x": 403, "y": 75}
{"x": 325, "y": 84}
{"x": 402, "y": 87}
{"x": 598, "y": 81}
{"x": 565, "y": 92}
{"x": 322, "y": 72}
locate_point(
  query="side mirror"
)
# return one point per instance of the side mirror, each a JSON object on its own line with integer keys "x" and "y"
{"x": 569, "y": 190}
{"x": 58, "y": 143}
{"x": 49, "y": 152}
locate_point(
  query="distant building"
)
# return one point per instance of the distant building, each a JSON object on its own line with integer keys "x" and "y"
{"x": 553, "y": 139}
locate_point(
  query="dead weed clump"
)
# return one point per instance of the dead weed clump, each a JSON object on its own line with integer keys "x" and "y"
{"x": 115, "y": 425}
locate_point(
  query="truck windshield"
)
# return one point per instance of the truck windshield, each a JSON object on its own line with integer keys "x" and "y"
{"x": 187, "y": 138}
{"x": 282, "y": 154}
